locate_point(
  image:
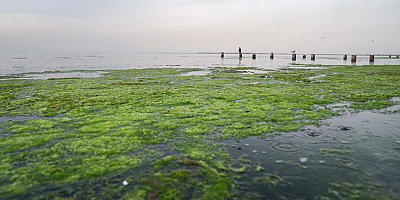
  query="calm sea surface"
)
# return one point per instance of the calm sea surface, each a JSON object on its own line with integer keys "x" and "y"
{"x": 17, "y": 64}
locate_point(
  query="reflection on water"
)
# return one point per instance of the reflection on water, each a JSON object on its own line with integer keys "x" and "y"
{"x": 33, "y": 63}
{"x": 366, "y": 152}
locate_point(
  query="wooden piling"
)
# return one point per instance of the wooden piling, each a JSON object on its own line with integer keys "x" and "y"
{"x": 397, "y": 56}
{"x": 253, "y": 56}
{"x": 353, "y": 58}
{"x": 240, "y": 55}
{"x": 222, "y": 55}
{"x": 371, "y": 58}
{"x": 271, "y": 56}
{"x": 313, "y": 57}
{"x": 390, "y": 55}
{"x": 304, "y": 56}
{"x": 294, "y": 57}
{"x": 345, "y": 57}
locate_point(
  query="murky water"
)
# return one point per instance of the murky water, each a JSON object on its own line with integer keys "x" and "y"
{"x": 362, "y": 148}
{"x": 17, "y": 64}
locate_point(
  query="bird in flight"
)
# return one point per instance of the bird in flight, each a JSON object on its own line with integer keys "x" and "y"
{"x": 322, "y": 38}
{"x": 294, "y": 51}
{"x": 373, "y": 40}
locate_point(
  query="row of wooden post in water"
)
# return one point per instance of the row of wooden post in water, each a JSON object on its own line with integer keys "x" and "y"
{"x": 294, "y": 57}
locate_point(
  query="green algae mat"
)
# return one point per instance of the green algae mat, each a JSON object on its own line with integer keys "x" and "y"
{"x": 155, "y": 134}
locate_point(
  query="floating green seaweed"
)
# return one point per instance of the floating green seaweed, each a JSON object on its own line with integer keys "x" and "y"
{"x": 161, "y": 131}
{"x": 359, "y": 191}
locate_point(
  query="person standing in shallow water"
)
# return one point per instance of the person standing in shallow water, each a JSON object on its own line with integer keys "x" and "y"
{"x": 240, "y": 50}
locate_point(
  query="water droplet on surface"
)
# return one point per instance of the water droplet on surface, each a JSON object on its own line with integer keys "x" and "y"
{"x": 303, "y": 160}
{"x": 314, "y": 134}
{"x": 346, "y": 161}
{"x": 345, "y": 128}
{"x": 285, "y": 147}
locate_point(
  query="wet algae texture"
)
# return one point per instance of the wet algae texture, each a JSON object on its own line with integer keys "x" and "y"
{"x": 153, "y": 134}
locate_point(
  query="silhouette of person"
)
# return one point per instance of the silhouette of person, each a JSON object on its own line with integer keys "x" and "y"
{"x": 240, "y": 50}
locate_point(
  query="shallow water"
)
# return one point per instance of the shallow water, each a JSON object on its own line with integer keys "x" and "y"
{"x": 196, "y": 73}
{"x": 361, "y": 148}
{"x": 48, "y": 75}
{"x": 17, "y": 64}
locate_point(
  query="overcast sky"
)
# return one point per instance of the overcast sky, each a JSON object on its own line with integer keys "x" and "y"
{"x": 155, "y": 26}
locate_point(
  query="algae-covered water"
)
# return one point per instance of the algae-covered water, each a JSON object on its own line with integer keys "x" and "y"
{"x": 305, "y": 132}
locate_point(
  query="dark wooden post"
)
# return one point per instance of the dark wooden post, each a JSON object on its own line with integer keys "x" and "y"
{"x": 271, "y": 56}
{"x": 345, "y": 57}
{"x": 353, "y": 58}
{"x": 371, "y": 58}
{"x": 313, "y": 57}
{"x": 397, "y": 56}
{"x": 222, "y": 54}
{"x": 390, "y": 55}
{"x": 294, "y": 57}
{"x": 304, "y": 56}
{"x": 240, "y": 55}
{"x": 253, "y": 56}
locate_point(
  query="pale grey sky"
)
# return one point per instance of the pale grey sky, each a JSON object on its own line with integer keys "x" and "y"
{"x": 153, "y": 26}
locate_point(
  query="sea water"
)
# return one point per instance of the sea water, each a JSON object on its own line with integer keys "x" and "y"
{"x": 19, "y": 64}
